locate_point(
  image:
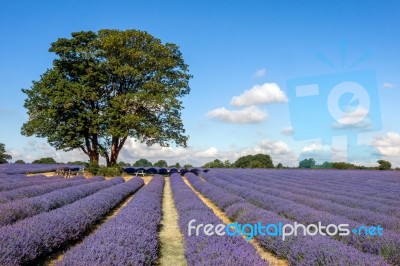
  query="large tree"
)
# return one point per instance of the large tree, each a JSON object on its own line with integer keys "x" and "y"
{"x": 4, "y": 157}
{"x": 108, "y": 86}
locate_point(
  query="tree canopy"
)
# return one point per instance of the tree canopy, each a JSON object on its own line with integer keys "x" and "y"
{"x": 46, "y": 160}
{"x": 214, "y": 164}
{"x": 4, "y": 157}
{"x": 254, "y": 161}
{"x": 108, "y": 86}
{"x": 161, "y": 163}
{"x": 142, "y": 163}
{"x": 307, "y": 163}
{"x": 384, "y": 165}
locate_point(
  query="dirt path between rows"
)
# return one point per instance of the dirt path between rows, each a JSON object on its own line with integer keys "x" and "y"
{"x": 265, "y": 255}
{"x": 171, "y": 240}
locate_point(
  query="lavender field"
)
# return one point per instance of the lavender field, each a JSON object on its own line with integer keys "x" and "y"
{"x": 117, "y": 221}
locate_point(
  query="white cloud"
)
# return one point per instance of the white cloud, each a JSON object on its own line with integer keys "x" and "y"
{"x": 38, "y": 149}
{"x": 387, "y": 145}
{"x": 260, "y": 73}
{"x": 248, "y": 115}
{"x": 388, "y": 85}
{"x": 357, "y": 119}
{"x": 316, "y": 147}
{"x": 260, "y": 94}
{"x": 287, "y": 131}
{"x": 134, "y": 150}
{"x": 273, "y": 147}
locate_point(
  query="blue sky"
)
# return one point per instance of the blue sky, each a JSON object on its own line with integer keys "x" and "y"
{"x": 231, "y": 47}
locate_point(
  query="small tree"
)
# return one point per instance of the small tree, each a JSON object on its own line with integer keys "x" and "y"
{"x": 227, "y": 164}
{"x": 384, "y": 165}
{"x": 307, "y": 163}
{"x": 177, "y": 165}
{"x": 19, "y": 162}
{"x": 279, "y": 165}
{"x": 123, "y": 164}
{"x": 254, "y": 161}
{"x": 214, "y": 164}
{"x": 142, "y": 163}
{"x": 326, "y": 165}
{"x": 161, "y": 163}
{"x": 4, "y": 157}
{"x": 45, "y": 160}
{"x": 187, "y": 166}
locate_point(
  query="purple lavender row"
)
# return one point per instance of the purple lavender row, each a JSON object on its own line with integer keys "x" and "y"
{"x": 388, "y": 245}
{"x": 24, "y": 208}
{"x": 208, "y": 250}
{"x": 7, "y": 179}
{"x": 366, "y": 217}
{"x": 311, "y": 190}
{"x": 317, "y": 250}
{"x": 326, "y": 180}
{"x": 366, "y": 182}
{"x": 32, "y": 238}
{"x": 27, "y": 183}
{"x": 13, "y": 169}
{"x": 130, "y": 238}
{"x": 36, "y": 190}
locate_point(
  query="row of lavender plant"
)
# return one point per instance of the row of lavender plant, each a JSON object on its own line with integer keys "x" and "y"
{"x": 37, "y": 190}
{"x": 298, "y": 250}
{"x": 28, "y": 182}
{"x": 347, "y": 181}
{"x": 326, "y": 180}
{"x": 314, "y": 191}
{"x": 370, "y": 183}
{"x": 387, "y": 245}
{"x": 13, "y": 169}
{"x": 130, "y": 238}
{"x": 29, "y": 239}
{"x": 203, "y": 249}
{"x": 24, "y": 208}
{"x": 6, "y": 179}
{"x": 360, "y": 215}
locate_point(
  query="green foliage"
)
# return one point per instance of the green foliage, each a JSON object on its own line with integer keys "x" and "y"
{"x": 19, "y": 162}
{"x": 142, "y": 163}
{"x": 123, "y": 164}
{"x": 109, "y": 171}
{"x": 214, "y": 164}
{"x": 343, "y": 165}
{"x": 188, "y": 166}
{"x": 177, "y": 165}
{"x": 92, "y": 168}
{"x": 326, "y": 165}
{"x": 77, "y": 163}
{"x": 4, "y": 157}
{"x": 46, "y": 160}
{"x": 105, "y": 87}
{"x": 227, "y": 164}
{"x": 254, "y": 161}
{"x": 279, "y": 165}
{"x": 161, "y": 163}
{"x": 384, "y": 165}
{"x": 307, "y": 163}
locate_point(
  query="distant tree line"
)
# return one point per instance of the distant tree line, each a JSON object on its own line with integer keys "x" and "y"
{"x": 311, "y": 164}
{"x": 248, "y": 161}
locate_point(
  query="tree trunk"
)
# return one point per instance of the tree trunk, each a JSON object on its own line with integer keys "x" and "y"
{"x": 94, "y": 157}
{"x": 116, "y": 146}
